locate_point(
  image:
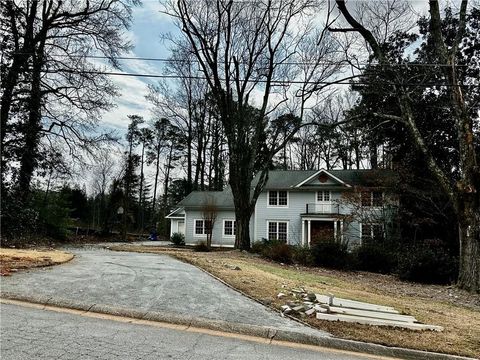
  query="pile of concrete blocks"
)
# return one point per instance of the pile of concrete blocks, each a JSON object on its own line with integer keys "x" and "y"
{"x": 331, "y": 308}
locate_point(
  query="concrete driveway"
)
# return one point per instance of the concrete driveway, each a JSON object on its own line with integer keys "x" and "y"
{"x": 98, "y": 277}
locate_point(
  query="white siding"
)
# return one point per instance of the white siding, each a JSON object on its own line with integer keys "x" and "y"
{"x": 351, "y": 233}
{"x": 297, "y": 205}
{"x": 218, "y": 239}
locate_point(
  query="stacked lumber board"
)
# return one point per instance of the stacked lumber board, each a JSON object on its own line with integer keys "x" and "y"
{"x": 331, "y": 308}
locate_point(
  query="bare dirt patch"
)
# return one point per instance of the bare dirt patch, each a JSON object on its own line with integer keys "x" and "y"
{"x": 12, "y": 260}
{"x": 456, "y": 310}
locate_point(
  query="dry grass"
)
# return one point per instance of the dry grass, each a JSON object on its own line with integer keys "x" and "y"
{"x": 12, "y": 260}
{"x": 455, "y": 310}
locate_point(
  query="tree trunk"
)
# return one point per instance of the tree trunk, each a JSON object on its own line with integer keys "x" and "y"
{"x": 126, "y": 195}
{"x": 8, "y": 84}
{"x": 469, "y": 266}
{"x": 20, "y": 59}
{"x": 167, "y": 175}
{"x": 244, "y": 206}
{"x": 31, "y": 130}
{"x": 242, "y": 237}
{"x": 142, "y": 180}
{"x": 189, "y": 157}
{"x": 157, "y": 170}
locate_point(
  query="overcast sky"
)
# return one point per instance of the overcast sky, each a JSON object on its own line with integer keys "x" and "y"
{"x": 148, "y": 24}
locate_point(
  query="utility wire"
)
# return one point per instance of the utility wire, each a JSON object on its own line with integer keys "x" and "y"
{"x": 169, "y": 60}
{"x": 273, "y": 82}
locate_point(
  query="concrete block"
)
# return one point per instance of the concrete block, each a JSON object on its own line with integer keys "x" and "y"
{"x": 310, "y": 312}
{"x": 377, "y": 322}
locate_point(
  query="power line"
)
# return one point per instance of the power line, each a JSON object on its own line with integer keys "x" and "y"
{"x": 170, "y": 60}
{"x": 273, "y": 82}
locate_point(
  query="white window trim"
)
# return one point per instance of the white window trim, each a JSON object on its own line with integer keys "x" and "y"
{"x": 371, "y": 206}
{"x": 194, "y": 228}
{"x": 371, "y": 231}
{"x": 278, "y": 221}
{"x": 223, "y": 231}
{"x": 278, "y": 206}
{"x": 323, "y": 202}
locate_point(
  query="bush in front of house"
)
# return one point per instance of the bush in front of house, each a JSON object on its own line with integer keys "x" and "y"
{"x": 428, "y": 262}
{"x": 201, "y": 247}
{"x": 379, "y": 258}
{"x": 178, "y": 239}
{"x": 257, "y": 247}
{"x": 277, "y": 250}
{"x": 302, "y": 255}
{"x": 331, "y": 255}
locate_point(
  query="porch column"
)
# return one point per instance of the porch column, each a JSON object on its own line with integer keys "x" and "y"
{"x": 303, "y": 232}
{"x": 335, "y": 230}
{"x": 309, "y": 222}
{"x": 341, "y": 231}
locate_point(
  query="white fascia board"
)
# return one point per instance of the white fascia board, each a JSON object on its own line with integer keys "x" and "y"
{"x": 172, "y": 214}
{"x": 318, "y": 173}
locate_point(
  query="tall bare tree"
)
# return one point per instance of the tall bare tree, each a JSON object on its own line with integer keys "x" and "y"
{"x": 240, "y": 48}
{"x": 463, "y": 193}
{"x": 159, "y": 129}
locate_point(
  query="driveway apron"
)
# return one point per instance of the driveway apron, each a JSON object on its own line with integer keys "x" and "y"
{"x": 144, "y": 282}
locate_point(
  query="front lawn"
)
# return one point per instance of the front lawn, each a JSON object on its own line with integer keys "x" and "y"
{"x": 457, "y": 311}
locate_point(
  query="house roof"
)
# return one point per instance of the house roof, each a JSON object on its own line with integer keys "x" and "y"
{"x": 178, "y": 213}
{"x": 286, "y": 179}
{"x": 292, "y": 179}
{"x": 197, "y": 199}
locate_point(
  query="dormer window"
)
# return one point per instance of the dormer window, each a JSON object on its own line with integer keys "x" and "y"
{"x": 277, "y": 198}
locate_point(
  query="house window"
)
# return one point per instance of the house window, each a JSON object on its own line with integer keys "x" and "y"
{"x": 277, "y": 198}
{"x": 229, "y": 227}
{"x": 203, "y": 227}
{"x": 277, "y": 230}
{"x": 372, "y": 233}
{"x": 366, "y": 233}
{"x": 323, "y": 196}
{"x": 372, "y": 198}
{"x": 377, "y": 198}
{"x": 377, "y": 233}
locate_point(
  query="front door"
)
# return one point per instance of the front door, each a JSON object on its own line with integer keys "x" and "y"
{"x": 322, "y": 232}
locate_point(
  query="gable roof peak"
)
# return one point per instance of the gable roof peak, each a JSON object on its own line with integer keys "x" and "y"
{"x": 317, "y": 174}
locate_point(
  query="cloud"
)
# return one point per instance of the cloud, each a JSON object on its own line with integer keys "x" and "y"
{"x": 131, "y": 101}
{"x": 148, "y": 23}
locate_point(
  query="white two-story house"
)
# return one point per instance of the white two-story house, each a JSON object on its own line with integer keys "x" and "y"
{"x": 296, "y": 206}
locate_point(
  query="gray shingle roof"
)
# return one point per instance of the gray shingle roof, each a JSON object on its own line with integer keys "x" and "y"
{"x": 287, "y": 179}
{"x": 197, "y": 199}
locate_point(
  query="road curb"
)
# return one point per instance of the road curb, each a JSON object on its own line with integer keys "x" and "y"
{"x": 273, "y": 334}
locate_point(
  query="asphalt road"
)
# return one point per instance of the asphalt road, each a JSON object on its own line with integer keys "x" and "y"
{"x": 29, "y": 333}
